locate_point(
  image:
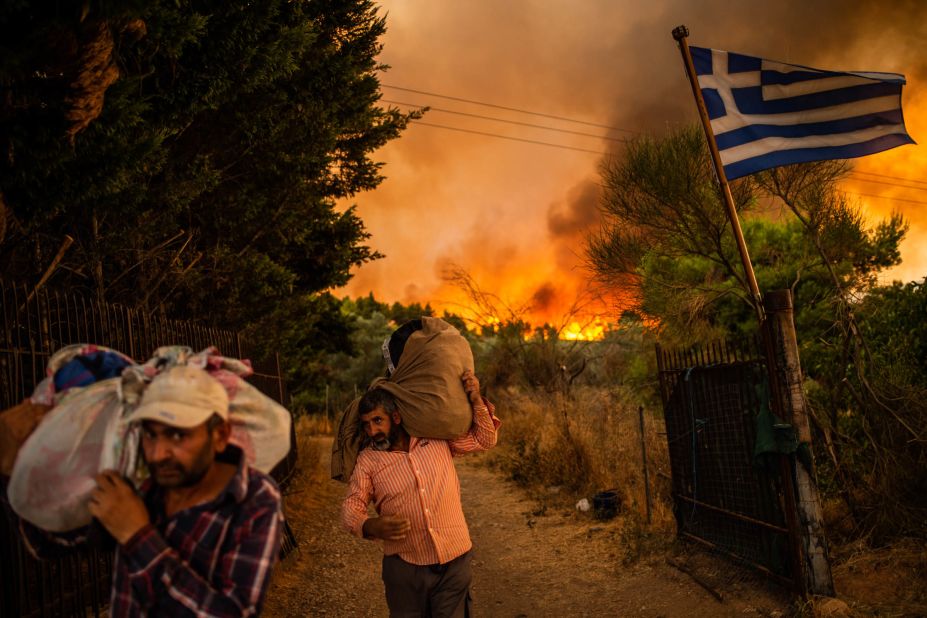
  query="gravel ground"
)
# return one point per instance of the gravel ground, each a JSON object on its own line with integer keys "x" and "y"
{"x": 529, "y": 560}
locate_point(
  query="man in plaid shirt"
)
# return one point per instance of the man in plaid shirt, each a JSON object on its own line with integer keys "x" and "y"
{"x": 203, "y": 537}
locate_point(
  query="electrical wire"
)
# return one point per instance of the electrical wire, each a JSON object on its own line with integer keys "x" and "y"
{"x": 890, "y": 184}
{"x": 854, "y": 173}
{"x": 514, "y": 139}
{"x": 510, "y": 109}
{"x": 886, "y": 197}
{"x": 515, "y": 122}
{"x": 923, "y": 182}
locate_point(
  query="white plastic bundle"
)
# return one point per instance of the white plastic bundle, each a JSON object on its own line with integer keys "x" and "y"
{"x": 56, "y": 466}
{"x": 260, "y": 425}
{"x": 84, "y": 434}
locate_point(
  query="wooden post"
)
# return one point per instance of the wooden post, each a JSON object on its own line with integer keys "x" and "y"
{"x": 816, "y": 567}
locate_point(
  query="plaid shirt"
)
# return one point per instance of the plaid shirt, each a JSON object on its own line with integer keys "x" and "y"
{"x": 213, "y": 559}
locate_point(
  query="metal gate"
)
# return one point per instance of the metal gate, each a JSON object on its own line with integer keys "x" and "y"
{"x": 35, "y": 325}
{"x": 726, "y": 496}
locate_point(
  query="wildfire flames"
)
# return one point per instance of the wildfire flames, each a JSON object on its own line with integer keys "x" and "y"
{"x": 577, "y": 332}
{"x": 515, "y": 216}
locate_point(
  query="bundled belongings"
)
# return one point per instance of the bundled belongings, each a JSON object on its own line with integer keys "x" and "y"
{"x": 86, "y": 430}
{"x": 425, "y": 359}
{"x": 260, "y": 425}
{"x": 79, "y": 436}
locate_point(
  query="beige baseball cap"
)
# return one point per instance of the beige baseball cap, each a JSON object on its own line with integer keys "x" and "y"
{"x": 182, "y": 396}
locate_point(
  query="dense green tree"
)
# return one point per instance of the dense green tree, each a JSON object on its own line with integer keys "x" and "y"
{"x": 194, "y": 152}
{"x": 667, "y": 237}
{"x": 661, "y": 209}
{"x": 206, "y": 186}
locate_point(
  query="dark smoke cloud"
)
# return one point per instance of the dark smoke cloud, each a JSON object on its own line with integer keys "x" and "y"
{"x": 579, "y": 213}
{"x": 543, "y": 297}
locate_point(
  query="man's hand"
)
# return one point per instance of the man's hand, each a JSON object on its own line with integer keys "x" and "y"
{"x": 387, "y": 527}
{"x": 117, "y": 506}
{"x": 472, "y": 387}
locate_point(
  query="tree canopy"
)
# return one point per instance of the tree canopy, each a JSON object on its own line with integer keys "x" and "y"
{"x": 666, "y": 236}
{"x": 194, "y": 151}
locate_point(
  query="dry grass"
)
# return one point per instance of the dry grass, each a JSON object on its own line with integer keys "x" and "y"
{"x": 314, "y": 425}
{"x": 584, "y": 444}
{"x": 562, "y": 449}
{"x": 886, "y": 581}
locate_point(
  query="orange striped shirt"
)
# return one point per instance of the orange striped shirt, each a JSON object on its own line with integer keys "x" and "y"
{"x": 422, "y": 486}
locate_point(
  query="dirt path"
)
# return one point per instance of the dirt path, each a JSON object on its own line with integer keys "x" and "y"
{"x": 528, "y": 561}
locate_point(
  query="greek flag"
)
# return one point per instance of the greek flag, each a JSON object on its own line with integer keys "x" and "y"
{"x": 765, "y": 114}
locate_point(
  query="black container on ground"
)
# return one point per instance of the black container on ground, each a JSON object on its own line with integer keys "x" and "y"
{"x": 605, "y": 504}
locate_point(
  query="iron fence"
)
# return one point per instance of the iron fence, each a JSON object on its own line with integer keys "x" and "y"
{"x": 726, "y": 497}
{"x": 35, "y": 325}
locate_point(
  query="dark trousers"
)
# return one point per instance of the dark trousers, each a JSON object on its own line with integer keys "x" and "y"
{"x": 431, "y": 591}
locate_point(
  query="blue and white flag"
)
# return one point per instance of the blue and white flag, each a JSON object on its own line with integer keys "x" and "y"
{"x": 765, "y": 114}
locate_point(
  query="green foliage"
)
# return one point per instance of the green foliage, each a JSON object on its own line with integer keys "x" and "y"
{"x": 878, "y": 430}
{"x": 303, "y": 330}
{"x": 894, "y": 325}
{"x": 349, "y": 372}
{"x": 666, "y": 237}
{"x": 662, "y": 210}
{"x": 206, "y": 188}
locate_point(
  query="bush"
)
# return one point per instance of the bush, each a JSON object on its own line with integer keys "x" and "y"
{"x": 583, "y": 444}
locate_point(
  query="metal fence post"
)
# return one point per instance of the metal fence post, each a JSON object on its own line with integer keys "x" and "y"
{"x": 640, "y": 414}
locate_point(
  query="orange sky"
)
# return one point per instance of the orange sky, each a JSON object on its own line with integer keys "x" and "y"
{"x": 513, "y": 214}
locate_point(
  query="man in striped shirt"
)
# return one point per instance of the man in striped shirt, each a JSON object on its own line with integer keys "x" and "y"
{"x": 414, "y": 487}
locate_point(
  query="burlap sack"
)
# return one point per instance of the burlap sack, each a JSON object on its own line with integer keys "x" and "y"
{"x": 428, "y": 391}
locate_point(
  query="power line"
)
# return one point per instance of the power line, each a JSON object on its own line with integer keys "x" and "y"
{"x": 890, "y": 184}
{"x": 601, "y": 126}
{"x": 531, "y": 141}
{"x": 924, "y": 182}
{"x": 514, "y": 139}
{"x": 515, "y": 122}
{"x": 510, "y": 109}
{"x": 886, "y": 197}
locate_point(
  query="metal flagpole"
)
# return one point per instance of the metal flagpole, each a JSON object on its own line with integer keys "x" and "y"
{"x": 680, "y": 33}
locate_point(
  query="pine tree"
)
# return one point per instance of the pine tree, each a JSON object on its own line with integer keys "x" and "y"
{"x": 206, "y": 185}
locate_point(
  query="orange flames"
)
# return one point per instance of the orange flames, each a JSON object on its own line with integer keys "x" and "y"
{"x": 591, "y": 332}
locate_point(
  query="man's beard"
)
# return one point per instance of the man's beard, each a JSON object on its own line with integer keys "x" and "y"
{"x": 383, "y": 442}
{"x": 173, "y": 474}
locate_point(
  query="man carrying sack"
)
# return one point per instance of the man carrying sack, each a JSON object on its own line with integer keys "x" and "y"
{"x": 202, "y": 537}
{"x": 414, "y": 485}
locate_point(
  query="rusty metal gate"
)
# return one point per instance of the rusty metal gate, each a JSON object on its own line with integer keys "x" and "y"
{"x": 726, "y": 496}
{"x": 35, "y": 325}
